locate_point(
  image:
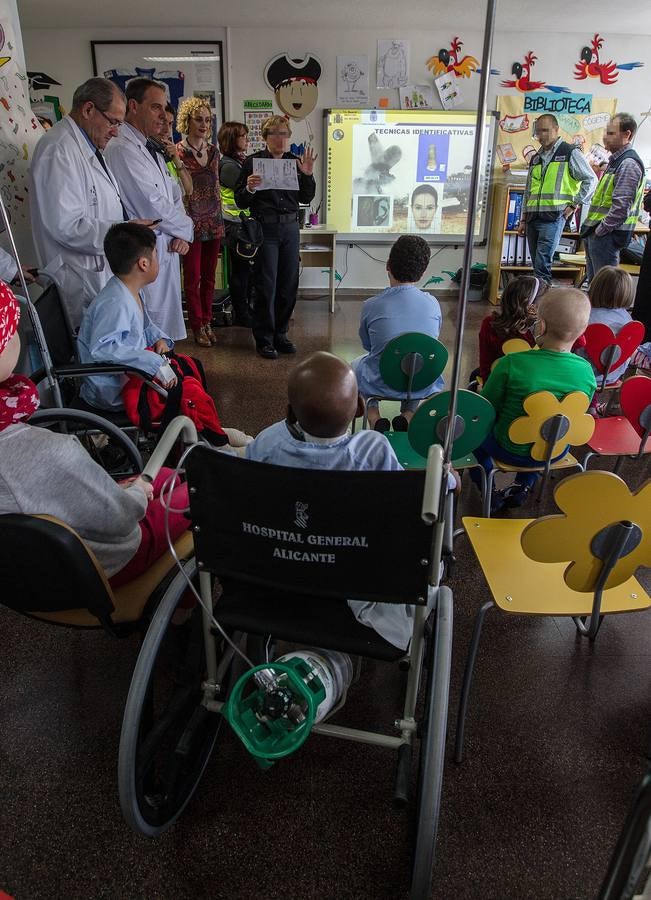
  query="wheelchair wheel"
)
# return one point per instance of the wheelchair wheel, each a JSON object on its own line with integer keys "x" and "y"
{"x": 167, "y": 733}
{"x": 432, "y": 748}
{"x": 107, "y": 444}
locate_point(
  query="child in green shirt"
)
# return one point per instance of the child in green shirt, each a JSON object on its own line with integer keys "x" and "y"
{"x": 563, "y": 315}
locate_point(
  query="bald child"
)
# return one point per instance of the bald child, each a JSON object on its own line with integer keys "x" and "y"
{"x": 323, "y": 398}
{"x": 322, "y": 401}
{"x": 563, "y": 315}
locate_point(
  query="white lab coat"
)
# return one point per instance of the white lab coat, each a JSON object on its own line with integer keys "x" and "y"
{"x": 8, "y": 267}
{"x": 149, "y": 192}
{"x": 73, "y": 203}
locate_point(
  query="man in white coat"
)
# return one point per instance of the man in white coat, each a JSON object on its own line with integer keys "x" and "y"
{"x": 149, "y": 191}
{"x": 73, "y": 196}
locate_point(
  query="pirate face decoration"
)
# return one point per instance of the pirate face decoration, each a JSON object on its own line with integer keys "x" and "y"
{"x": 294, "y": 82}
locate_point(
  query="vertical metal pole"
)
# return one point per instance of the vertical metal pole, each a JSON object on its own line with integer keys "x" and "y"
{"x": 5, "y": 221}
{"x": 53, "y": 384}
{"x": 470, "y": 228}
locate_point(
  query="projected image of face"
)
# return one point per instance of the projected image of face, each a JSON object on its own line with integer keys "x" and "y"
{"x": 424, "y": 203}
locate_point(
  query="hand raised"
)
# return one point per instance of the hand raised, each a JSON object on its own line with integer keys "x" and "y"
{"x": 307, "y": 160}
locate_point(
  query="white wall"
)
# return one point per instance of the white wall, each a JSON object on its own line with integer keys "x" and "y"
{"x": 65, "y": 54}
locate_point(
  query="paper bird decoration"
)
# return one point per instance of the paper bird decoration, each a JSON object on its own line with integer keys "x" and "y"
{"x": 522, "y": 81}
{"x": 590, "y": 66}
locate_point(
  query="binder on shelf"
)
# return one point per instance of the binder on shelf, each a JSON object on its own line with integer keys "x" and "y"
{"x": 510, "y": 253}
{"x": 528, "y": 261}
{"x": 505, "y": 249}
{"x": 510, "y": 216}
{"x": 518, "y": 209}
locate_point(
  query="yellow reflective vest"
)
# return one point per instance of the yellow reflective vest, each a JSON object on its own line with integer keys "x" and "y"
{"x": 553, "y": 187}
{"x": 602, "y": 199}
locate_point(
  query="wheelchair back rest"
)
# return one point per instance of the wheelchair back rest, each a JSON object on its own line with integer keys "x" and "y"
{"x": 635, "y": 400}
{"x": 550, "y": 425}
{"x": 474, "y": 420}
{"x": 587, "y": 534}
{"x": 607, "y": 350}
{"x": 46, "y": 567}
{"x": 57, "y": 331}
{"x": 334, "y": 534}
{"x": 412, "y": 361}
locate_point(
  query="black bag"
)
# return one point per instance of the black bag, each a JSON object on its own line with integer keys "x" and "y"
{"x": 244, "y": 237}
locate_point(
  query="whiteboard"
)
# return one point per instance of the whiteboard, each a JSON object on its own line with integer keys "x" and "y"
{"x": 391, "y": 172}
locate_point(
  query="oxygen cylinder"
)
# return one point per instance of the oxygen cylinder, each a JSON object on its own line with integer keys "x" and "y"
{"x": 273, "y": 707}
{"x": 333, "y": 669}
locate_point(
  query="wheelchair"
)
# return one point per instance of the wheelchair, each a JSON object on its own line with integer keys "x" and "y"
{"x": 52, "y": 365}
{"x": 286, "y": 563}
{"x": 49, "y": 573}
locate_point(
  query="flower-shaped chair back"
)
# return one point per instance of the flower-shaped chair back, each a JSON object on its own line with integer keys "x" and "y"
{"x": 474, "y": 421}
{"x": 515, "y": 345}
{"x": 607, "y": 350}
{"x": 551, "y": 425}
{"x": 412, "y": 361}
{"x": 635, "y": 400}
{"x": 603, "y": 532}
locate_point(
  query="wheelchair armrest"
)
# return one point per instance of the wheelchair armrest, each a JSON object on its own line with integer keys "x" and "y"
{"x": 433, "y": 481}
{"x": 84, "y": 370}
{"x": 179, "y": 425}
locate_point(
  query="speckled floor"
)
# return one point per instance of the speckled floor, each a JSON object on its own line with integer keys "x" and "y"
{"x": 556, "y": 743}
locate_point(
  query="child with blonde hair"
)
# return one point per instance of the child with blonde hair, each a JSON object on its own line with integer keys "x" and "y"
{"x": 611, "y": 295}
{"x": 562, "y": 317}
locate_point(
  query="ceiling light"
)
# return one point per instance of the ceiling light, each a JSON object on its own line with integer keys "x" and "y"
{"x": 181, "y": 58}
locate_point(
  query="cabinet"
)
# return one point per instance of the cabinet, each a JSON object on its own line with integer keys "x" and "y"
{"x": 507, "y": 251}
{"x": 318, "y": 247}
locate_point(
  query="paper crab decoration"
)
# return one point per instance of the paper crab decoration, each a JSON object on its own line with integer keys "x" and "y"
{"x": 590, "y": 66}
{"x": 522, "y": 81}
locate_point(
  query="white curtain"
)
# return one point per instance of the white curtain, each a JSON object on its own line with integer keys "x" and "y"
{"x": 19, "y": 131}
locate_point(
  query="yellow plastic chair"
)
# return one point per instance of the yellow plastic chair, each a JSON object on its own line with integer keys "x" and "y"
{"x": 580, "y": 563}
{"x": 550, "y": 425}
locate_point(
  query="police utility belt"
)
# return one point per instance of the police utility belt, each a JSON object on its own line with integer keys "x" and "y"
{"x": 277, "y": 218}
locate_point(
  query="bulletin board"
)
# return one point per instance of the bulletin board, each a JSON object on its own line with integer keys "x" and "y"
{"x": 582, "y": 119}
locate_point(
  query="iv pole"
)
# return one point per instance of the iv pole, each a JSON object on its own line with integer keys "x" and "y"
{"x": 53, "y": 384}
{"x": 480, "y": 137}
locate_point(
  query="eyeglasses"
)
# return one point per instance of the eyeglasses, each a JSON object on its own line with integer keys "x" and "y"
{"x": 114, "y": 123}
{"x": 278, "y": 134}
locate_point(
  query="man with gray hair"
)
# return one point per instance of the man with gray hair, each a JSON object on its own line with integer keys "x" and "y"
{"x": 149, "y": 190}
{"x": 74, "y": 198}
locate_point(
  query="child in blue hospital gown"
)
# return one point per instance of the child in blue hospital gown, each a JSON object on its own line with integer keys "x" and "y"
{"x": 323, "y": 399}
{"x": 116, "y": 326}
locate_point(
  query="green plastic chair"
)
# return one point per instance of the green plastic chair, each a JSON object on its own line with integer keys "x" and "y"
{"x": 410, "y": 362}
{"x": 474, "y": 421}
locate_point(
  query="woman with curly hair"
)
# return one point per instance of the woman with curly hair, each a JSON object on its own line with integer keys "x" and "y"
{"x": 201, "y": 158}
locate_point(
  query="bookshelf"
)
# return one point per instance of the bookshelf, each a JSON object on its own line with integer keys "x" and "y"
{"x": 507, "y": 251}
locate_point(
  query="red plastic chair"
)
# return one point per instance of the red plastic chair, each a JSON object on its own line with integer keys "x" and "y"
{"x": 625, "y": 435}
{"x": 607, "y": 350}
